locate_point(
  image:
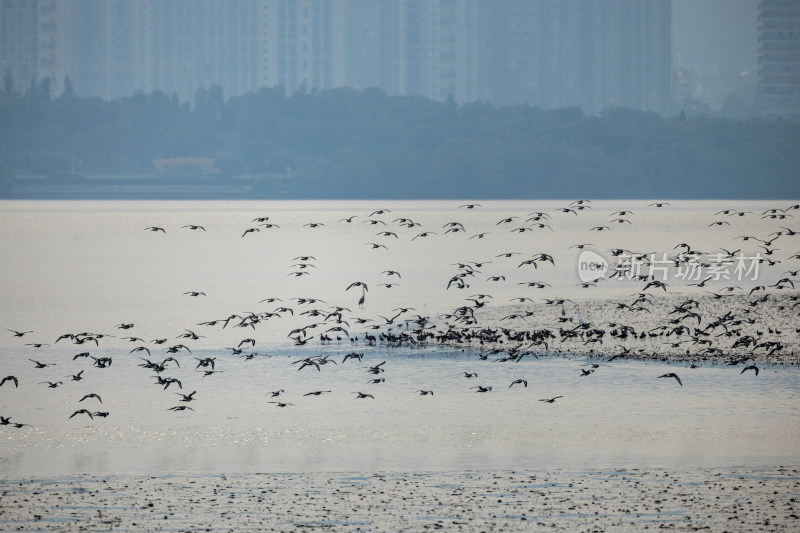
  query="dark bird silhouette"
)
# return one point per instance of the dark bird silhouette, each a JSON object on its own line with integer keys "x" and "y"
{"x": 187, "y": 397}
{"x": 757, "y": 288}
{"x": 83, "y": 412}
{"x": 353, "y": 355}
{"x": 194, "y": 227}
{"x": 656, "y": 283}
{"x": 481, "y": 388}
{"x": 673, "y": 375}
{"x": 208, "y": 361}
{"x": 155, "y": 228}
{"x": 550, "y": 400}
{"x": 363, "y": 395}
{"x": 174, "y": 349}
{"x": 281, "y": 404}
{"x": 180, "y": 408}
{"x": 19, "y": 333}
{"x": 470, "y": 374}
{"x": 101, "y": 362}
{"x": 425, "y": 392}
{"x": 91, "y": 396}
{"x": 377, "y": 368}
{"x": 517, "y": 382}
{"x": 754, "y": 368}
{"x": 316, "y": 393}
{"x": 10, "y": 378}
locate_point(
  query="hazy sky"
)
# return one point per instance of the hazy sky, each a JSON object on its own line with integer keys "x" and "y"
{"x": 715, "y": 32}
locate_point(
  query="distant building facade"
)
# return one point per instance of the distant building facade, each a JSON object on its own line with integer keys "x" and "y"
{"x": 547, "y": 53}
{"x": 33, "y": 42}
{"x": 779, "y": 58}
{"x": 587, "y": 53}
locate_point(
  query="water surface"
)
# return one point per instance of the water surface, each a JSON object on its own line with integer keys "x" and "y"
{"x": 71, "y": 267}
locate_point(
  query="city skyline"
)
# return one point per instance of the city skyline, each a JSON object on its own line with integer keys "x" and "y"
{"x": 545, "y": 53}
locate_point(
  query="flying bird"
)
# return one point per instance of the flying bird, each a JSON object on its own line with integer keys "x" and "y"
{"x": 754, "y": 368}
{"x": 673, "y": 375}
{"x": 10, "y": 378}
{"x": 91, "y": 396}
{"x": 550, "y": 400}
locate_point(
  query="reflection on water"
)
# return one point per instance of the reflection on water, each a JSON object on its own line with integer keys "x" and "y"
{"x": 89, "y": 266}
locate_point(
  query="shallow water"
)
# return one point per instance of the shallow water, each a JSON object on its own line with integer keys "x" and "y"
{"x": 89, "y": 266}
{"x": 623, "y": 414}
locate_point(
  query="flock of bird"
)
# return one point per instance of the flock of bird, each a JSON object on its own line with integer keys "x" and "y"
{"x": 729, "y": 324}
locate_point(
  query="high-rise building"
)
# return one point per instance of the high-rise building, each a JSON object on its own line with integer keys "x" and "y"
{"x": 779, "y": 58}
{"x": 19, "y": 40}
{"x": 34, "y": 42}
{"x": 587, "y": 53}
{"x": 202, "y": 43}
{"x": 412, "y": 47}
{"x": 301, "y": 45}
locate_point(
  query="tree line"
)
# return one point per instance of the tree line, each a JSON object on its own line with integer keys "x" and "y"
{"x": 348, "y": 143}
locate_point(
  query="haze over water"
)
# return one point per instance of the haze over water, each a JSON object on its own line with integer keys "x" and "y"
{"x": 70, "y": 267}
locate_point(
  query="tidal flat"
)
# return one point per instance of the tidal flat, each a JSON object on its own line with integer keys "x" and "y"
{"x": 739, "y": 499}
